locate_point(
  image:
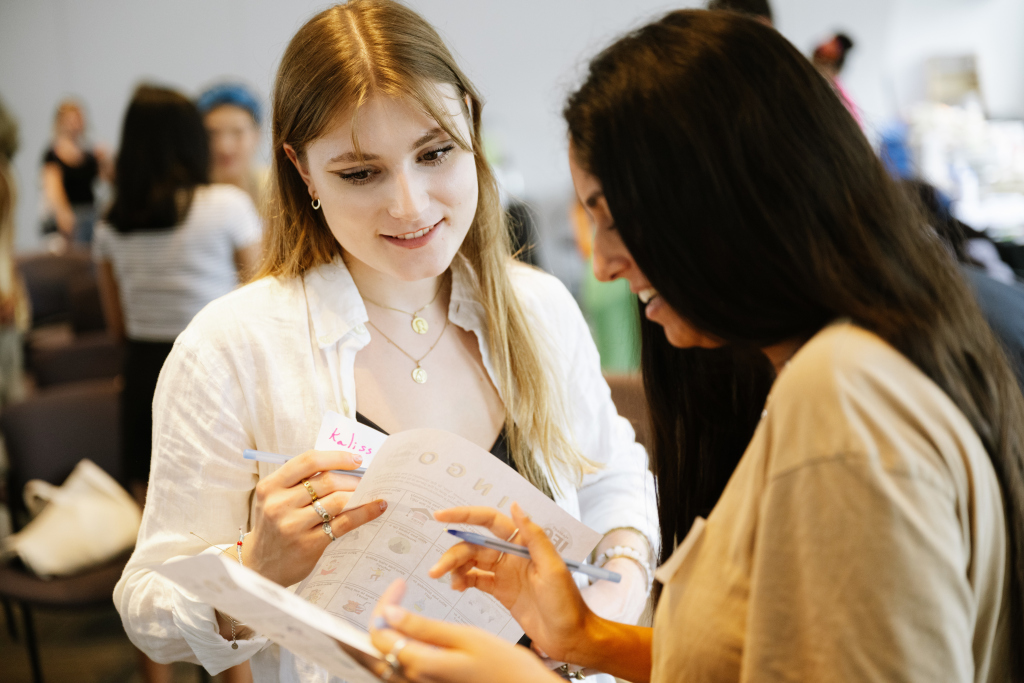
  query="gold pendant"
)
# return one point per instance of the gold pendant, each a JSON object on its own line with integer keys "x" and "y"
{"x": 419, "y": 325}
{"x": 419, "y": 375}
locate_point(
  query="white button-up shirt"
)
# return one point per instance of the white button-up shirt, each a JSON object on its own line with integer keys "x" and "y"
{"x": 258, "y": 368}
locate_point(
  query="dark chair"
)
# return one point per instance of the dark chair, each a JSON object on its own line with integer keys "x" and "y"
{"x": 631, "y": 402}
{"x": 93, "y": 355}
{"x": 46, "y": 435}
{"x": 48, "y": 280}
{"x": 68, "y": 342}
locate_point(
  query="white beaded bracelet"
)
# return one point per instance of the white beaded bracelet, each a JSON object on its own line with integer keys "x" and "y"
{"x": 628, "y": 553}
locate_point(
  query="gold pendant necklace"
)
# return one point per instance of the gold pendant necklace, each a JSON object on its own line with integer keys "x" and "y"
{"x": 419, "y": 323}
{"x": 419, "y": 375}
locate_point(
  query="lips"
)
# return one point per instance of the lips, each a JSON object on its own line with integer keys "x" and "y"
{"x": 416, "y": 234}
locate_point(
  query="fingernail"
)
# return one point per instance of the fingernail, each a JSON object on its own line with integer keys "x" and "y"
{"x": 393, "y": 614}
{"x": 357, "y": 459}
{"x": 431, "y": 570}
{"x": 383, "y": 505}
{"x": 380, "y": 623}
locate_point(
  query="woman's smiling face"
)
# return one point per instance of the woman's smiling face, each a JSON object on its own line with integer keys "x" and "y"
{"x": 404, "y": 206}
{"x": 613, "y": 261}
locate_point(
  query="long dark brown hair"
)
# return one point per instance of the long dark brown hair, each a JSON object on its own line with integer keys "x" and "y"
{"x": 751, "y": 200}
{"x": 164, "y": 154}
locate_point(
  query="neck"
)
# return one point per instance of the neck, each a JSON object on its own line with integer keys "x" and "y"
{"x": 387, "y": 290}
{"x": 779, "y": 354}
{"x": 239, "y": 180}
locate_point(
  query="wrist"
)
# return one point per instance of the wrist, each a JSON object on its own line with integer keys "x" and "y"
{"x": 593, "y": 640}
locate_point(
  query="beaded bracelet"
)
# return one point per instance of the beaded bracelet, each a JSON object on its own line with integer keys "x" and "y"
{"x": 626, "y": 552}
{"x": 238, "y": 549}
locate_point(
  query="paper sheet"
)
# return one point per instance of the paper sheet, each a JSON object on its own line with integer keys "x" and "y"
{"x": 417, "y": 472}
{"x": 276, "y": 613}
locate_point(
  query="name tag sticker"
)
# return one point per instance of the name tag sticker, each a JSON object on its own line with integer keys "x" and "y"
{"x": 666, "y": 571}
{"x": 340, "y": 433}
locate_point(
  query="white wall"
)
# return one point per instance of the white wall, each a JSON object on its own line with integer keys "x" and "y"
{"x": 524, "y": 56}
{"x": 991, "y": 29}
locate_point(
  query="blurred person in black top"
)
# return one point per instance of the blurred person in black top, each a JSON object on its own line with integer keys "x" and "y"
{"x": 70, "y": 170}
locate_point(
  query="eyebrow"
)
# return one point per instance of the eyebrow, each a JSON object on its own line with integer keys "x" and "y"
{"x": 422, "y": 140}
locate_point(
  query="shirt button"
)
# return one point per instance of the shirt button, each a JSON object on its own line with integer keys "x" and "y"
{"x": 324, "y": 339}
{"x": 360, "y": 329}
{"x": 344, "y": 406}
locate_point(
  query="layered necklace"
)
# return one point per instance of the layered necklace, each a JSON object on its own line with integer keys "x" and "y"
{"x": 419, "y": 375}
{"x": 419, "y": 326}
{"x": 419, "y": 323}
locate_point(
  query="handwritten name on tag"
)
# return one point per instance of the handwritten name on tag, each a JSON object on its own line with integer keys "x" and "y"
{"x": 339, "y": 433}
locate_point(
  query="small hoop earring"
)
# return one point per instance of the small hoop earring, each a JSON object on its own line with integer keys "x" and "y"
{"x": 316, "y": 203}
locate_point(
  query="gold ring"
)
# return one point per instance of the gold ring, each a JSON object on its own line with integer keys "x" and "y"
{"x": 514, "y": 534}
{"x": 309, "y": 488}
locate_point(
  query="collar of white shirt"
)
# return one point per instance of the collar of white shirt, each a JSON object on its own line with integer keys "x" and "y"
{"x": 336, "y": 308}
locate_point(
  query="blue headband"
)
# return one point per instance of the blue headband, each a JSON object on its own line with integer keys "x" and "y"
{"x": 233, "y": 94}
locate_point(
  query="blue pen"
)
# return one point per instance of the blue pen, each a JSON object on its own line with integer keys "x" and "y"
{"x": 521, "y": 551}
{"x": 275, "y": 459}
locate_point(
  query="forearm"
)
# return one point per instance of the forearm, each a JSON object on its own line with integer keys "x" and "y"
{"x": 621, "y": 650}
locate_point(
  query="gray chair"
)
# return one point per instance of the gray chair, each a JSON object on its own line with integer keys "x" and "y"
{"x": 46, "y": 435}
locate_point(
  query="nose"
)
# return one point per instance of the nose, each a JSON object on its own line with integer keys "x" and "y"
{"x": 611, "y": 258}
{"x": 409, "y": 199}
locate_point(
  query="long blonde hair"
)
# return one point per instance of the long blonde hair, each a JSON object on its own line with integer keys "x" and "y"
{"x": 335, "y": 62}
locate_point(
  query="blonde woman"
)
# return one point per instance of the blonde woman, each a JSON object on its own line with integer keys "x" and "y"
{"x": 387, "y": 293}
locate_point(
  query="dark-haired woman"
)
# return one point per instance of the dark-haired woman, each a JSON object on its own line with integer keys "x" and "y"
{"x": 873, "y": 529}
{"x": 170, "y": 244}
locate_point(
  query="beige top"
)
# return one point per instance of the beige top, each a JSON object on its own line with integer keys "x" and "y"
{"x": 861, "y": 537}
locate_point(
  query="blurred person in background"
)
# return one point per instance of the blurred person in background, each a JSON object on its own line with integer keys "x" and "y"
{"x": 997, "y": 290}
{"x": 171, "y": 243}
{"x": 758, "y": 9}
{"x": 14, "y": 306}
{"x": 70, "y": 171}
{"x": 232, "y": 116}
{"x": 829, "y": 58}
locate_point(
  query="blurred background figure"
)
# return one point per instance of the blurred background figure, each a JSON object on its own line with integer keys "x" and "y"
{"x": 999, "y": 293}
{"x": 232, "y": 115}
{"x": 171, "y": 243}
{"x": 70, "y": 171}
{"x": 14, "y": 309}
{"x": 829, "y": 58}
{"x": 758, "y": 9}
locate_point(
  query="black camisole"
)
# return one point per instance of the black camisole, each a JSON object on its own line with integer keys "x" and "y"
{"x": 499, "y": 450}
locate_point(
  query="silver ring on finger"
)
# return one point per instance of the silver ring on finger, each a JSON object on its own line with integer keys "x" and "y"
{"x": 501, "y": 556}
{"x": 329, "y": 531}
{"x": 392, "y": 657}
{"x": 319, "y": 507}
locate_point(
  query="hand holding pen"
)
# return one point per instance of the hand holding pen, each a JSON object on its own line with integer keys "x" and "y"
{"x": 299, "y": 509}
{"x": 539, "y": 592}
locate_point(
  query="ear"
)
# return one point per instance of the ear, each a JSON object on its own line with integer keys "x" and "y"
{"x": 300, "y": 166}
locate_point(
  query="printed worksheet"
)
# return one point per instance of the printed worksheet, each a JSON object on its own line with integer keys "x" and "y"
{"x": 417, "y": 472}
{"x": 278, "y": 614}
